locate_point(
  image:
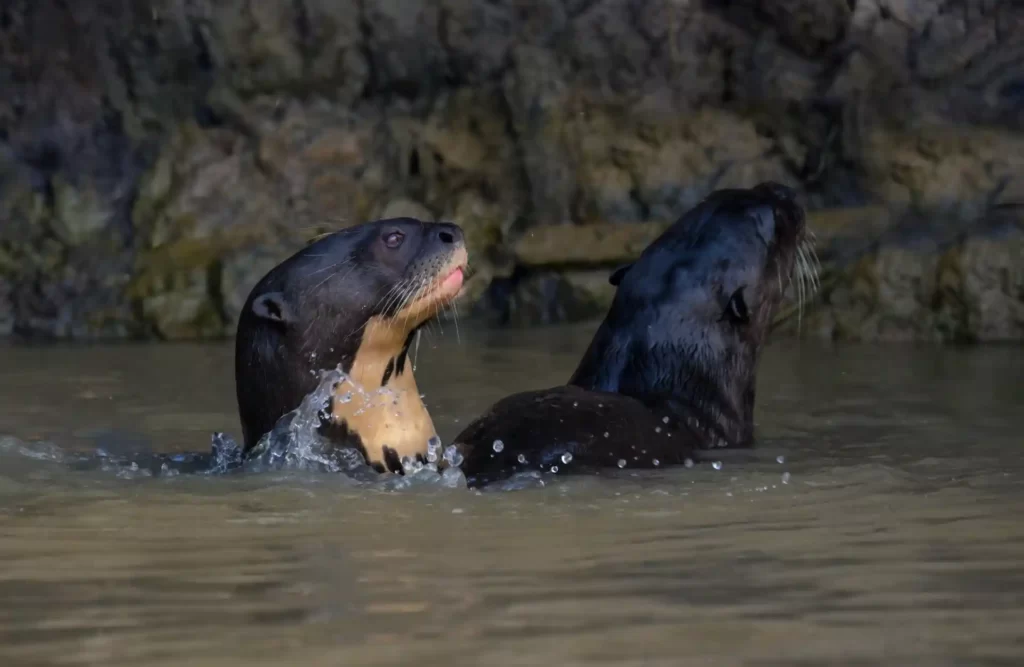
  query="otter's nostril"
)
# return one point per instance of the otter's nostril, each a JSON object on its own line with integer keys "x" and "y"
{"x": 446, "y": 237}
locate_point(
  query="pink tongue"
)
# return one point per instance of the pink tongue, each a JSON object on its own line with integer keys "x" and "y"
{"x": 454, "y": 280}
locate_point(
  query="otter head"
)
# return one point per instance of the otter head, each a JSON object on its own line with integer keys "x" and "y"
{"x": 690, "y": 316}
{"x": 354, "y": 299}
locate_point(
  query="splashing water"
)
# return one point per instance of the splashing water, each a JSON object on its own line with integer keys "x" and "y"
{"x": 293, "y": 444}
{"x": 295, "y": 441}
{"x": 452, "y": 456}
{"x": 433, "y": 449}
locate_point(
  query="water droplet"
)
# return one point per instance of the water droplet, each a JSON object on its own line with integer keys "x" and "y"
{"x": 521, "y": 458}
{"x": 717, "y": 465}
{"x": 657, "y": 429}
{"x": 664, "y": 420}
{"x": 600, "y": 405}
{"x": 346, "y": 397}
{"x": 622, "y": 463}
{"x": 656, "y": 462}
{"x": 575, "y": 404}
{"x": 780, "y": 459}
{"x": 498, "y": 445}
{"x": 688, "y": 463}
{"x": 554, "y": 468}
{"x": 785, "y": 478}
{"x": 606, "y": 434}
{"x": 433, "y": 449}
{"x": 452, "y": 456}
{"x": 566, "y": 457}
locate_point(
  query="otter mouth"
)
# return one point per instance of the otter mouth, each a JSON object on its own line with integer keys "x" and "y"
{"x": 451, "y": 285}
{"x": 448, "y": 284}
{"x": 444, "y": 288}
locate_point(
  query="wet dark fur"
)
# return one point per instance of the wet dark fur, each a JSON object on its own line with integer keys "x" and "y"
{"x": 596, "y": 428}
{"x": 681, "y": 341}
{"x": 309, "y": 313}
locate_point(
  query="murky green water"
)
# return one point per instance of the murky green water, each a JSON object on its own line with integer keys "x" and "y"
{"x": 896, "y": 538}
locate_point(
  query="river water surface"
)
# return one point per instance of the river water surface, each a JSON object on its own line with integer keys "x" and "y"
{"x": 881, "y": 523}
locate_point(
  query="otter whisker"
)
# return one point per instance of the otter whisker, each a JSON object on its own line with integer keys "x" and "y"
{"x": 810, "y": 268}
{"x": 455, "y": 313}
{"x": 815, "y": 263}
{"x": 800, "y": 266}
{"x": 437, "y": 318}
{"x": 799, "y": 293}
{"x": 410, "y": 291}
{"x": 399, "y": 300}
{"x": 446, "y": 308}
{"x": 386, "y": 301}
{"x": 335, "y": 265}
{"x": 429, "y": 326}
{"x": 413, "y": 293}
{"x": 416, "y": 350}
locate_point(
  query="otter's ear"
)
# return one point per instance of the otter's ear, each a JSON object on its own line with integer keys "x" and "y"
{"x": 272, "y": 306}
{"x": 619, "y": 273}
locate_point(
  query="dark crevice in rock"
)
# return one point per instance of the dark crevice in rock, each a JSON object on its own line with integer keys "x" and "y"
{"x": 414, "y": 163}
{"x": 365, "y": 47}
{"x": 203, "y": 59}
{"x": 207, "y": 117}
{"x": 215, "y": 291}
{"x": 302, "y": 31}
{"x": 122, "y": 67}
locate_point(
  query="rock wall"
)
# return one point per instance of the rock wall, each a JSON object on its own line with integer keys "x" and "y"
{"x": 156, "y": 159}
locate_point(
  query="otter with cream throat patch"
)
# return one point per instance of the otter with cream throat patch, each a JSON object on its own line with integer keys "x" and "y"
{"x": 354, "y": 299}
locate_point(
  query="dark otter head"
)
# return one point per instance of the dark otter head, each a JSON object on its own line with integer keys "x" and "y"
{"x": 360, "y": 292}
{"x": 690, "y": 316}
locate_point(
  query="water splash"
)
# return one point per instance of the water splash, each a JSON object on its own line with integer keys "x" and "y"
{"x": 294, "y": 444}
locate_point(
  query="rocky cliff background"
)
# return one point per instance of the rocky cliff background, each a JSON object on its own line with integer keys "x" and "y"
{"x": 157, "y": 158}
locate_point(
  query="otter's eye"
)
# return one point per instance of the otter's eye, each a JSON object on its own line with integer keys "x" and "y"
{"x": 394, "y": 239}
{"x": 736, "y": 310}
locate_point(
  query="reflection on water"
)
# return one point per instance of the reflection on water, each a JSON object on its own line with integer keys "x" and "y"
{"x": 879, "y": 523}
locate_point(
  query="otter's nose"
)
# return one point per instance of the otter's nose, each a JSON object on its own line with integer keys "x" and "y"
{"x": 449, "y": 233}
{"x": 788, "y": 213}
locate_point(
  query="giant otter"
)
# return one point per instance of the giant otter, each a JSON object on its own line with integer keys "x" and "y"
{"x": 354, "y": 298}
{"x": 673, "y": 366}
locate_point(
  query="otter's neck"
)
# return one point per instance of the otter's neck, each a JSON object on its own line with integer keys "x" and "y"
{"x": 381, "y": 405}
{"x": 716, "y": 403}
{"x": 716, "y": 418}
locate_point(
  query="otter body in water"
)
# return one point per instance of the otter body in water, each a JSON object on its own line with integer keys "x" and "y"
{"x": 353, "y": 299}
{"x": 673, "y": 366}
